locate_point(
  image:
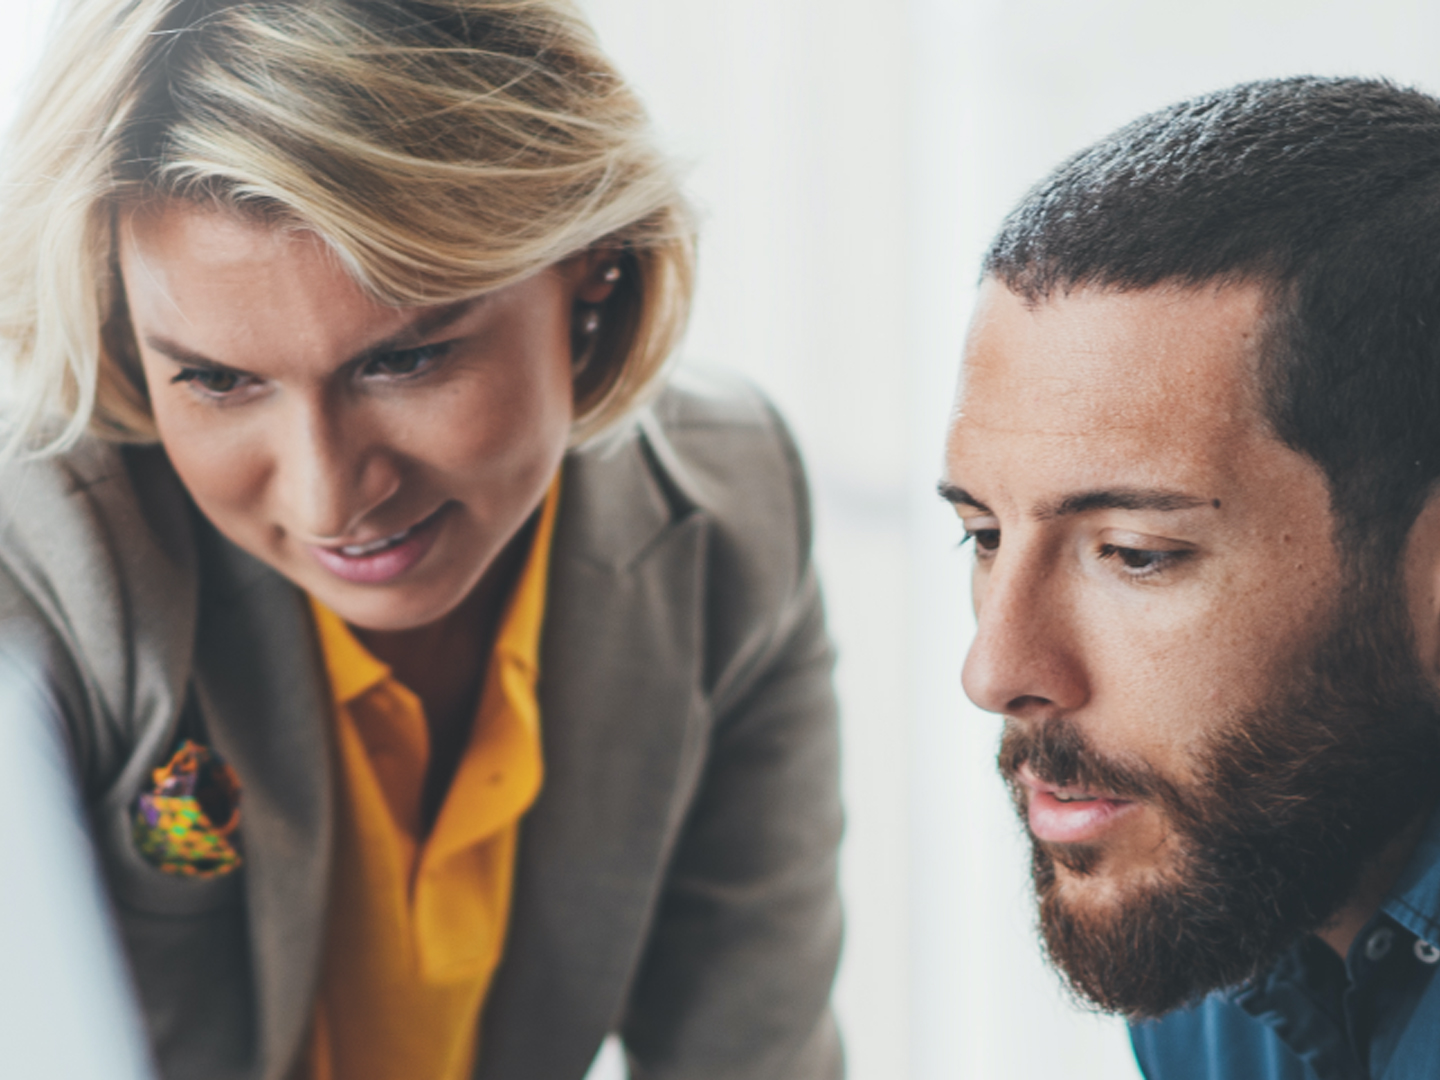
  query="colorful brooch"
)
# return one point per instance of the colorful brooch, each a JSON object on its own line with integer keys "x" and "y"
{"x": 186, "y": 824}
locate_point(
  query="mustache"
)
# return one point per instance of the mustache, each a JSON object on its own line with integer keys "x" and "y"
{"x": 1057, "y": 752}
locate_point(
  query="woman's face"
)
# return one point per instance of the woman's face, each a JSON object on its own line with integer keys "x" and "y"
{"x": 378, "y": 457}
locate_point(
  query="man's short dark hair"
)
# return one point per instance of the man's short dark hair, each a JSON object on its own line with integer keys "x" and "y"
{"x": 1327, "y": 192}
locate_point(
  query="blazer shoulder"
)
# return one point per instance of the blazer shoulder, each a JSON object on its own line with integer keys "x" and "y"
{"x": 97, "y": 499}
{"x": 727, "y": 449}
{"x": 703, "y": 397}
{"x": 97, "y": 574}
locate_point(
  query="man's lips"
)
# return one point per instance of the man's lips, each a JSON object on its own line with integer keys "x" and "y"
{"x": 382, "y": 559}
{"x": 1069, "y": 815}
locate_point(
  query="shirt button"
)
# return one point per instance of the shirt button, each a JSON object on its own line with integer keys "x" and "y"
{"x": 1378, "y": 945}
{"x": 1425, "y": 952}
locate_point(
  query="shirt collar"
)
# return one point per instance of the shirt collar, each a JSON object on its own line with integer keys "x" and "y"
{"x": 352, "y": 670}
{"x": 1414, "y": 899}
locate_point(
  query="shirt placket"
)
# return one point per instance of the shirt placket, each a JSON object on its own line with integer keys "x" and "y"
{"x": 1391, "y": 972}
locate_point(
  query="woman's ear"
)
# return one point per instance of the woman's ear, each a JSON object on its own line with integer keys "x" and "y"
{"x": 1422, "y": 586}
{"x": 597, "y": 273}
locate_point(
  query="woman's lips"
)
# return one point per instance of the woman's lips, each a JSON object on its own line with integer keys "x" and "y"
{"x": 1069, "y": 815}
{"x": 383, "y": 560}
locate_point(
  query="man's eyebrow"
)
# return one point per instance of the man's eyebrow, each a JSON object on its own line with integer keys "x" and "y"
{"x": 1086, "y": 501}
{"x": 431, "y": 322}
{"x": 1123, "y": 499}
{"x": 958, "y": 496}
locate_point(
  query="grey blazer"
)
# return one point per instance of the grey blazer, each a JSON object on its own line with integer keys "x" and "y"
{"x": 676, "y": 880}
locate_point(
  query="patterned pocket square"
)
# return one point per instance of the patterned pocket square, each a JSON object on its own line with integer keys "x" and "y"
{"x": 186, "y": 824}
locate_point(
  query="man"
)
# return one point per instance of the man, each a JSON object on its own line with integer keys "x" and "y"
{"x": 1196, "y": 448}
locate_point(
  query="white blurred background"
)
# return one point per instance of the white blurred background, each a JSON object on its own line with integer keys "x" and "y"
{"x": 851, "y": 158}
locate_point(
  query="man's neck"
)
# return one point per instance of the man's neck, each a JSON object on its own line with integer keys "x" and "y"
{"x": 1375, "y": 882}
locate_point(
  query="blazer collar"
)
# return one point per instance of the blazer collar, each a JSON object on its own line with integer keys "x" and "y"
{"x": 624, "y": 725}
{"x": 619, "y": 495}
{"x": 260, "y": 684}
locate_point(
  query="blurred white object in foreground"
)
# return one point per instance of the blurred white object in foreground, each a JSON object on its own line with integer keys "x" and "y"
{"x": 66, "y": 1008}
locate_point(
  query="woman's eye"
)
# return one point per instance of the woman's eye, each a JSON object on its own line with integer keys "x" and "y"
{"x": 406, "y": 361}
{"x": 217, "y": 382}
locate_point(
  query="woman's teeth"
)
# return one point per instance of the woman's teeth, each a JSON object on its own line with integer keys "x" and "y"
{"x": 356, "y": 551}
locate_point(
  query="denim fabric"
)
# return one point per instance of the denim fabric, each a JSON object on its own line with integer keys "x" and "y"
{"x": 1374, "y": 1017}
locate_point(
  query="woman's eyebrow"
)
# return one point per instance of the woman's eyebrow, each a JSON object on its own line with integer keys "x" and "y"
{"x": 182, "y": 355}
{"x": 430, "y": 322}
{"x": 423, "y": 326}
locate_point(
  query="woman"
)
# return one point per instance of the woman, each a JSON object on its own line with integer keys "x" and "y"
{"x": 445, "y": 692}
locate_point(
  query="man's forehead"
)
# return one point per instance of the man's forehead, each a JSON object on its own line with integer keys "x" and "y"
{"x": 1103, "y": 359}
{"x": 1143, "y": 387}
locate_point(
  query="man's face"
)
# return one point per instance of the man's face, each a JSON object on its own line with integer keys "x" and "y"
{"x": 1161, "y": 615}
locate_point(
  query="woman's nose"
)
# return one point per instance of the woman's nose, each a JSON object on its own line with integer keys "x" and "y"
{"x": 333, "y": 472}
{"x": 1025, "y": 659}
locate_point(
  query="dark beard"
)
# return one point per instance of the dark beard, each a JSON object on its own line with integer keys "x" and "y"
{"x": 1290, "y": 804}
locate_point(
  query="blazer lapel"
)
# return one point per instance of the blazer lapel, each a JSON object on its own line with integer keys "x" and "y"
{"x": 623, "y": 724}
{"x": 264, "y": 702}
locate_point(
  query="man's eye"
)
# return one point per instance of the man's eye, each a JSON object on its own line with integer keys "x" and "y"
{"x": 1141, "y": 562}
{"x": 986, "y": 541}
{"x": 214, "y": 381}
{"x": 405, "y": 361}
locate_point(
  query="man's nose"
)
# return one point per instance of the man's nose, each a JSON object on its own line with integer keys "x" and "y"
{"x": 333, "y": 472}
{"x": 1025, "y": 660}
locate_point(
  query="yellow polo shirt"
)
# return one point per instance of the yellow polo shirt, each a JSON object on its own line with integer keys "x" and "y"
{"x": 417, "y": 923}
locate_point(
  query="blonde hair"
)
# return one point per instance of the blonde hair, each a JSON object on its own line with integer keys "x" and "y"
{"x": 441, "y": 148}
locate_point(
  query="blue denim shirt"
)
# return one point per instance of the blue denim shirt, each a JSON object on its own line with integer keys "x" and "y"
{"x": 1374, "y": 1017}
